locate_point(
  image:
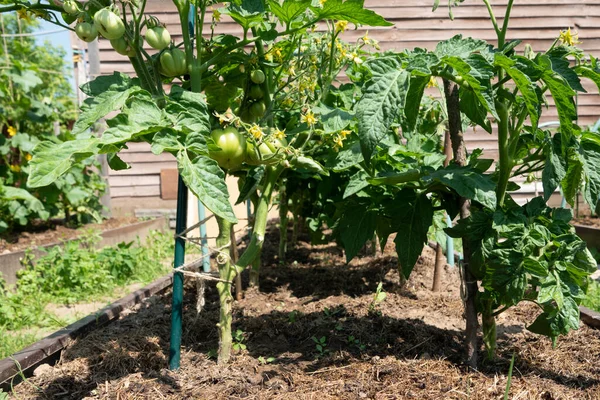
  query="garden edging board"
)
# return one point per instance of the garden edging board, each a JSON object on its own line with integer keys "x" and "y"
{"x": 44, "y": 349}
{"x": 10, "y": 263}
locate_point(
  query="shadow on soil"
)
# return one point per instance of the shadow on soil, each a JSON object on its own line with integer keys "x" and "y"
{"x": 138, "y": 343}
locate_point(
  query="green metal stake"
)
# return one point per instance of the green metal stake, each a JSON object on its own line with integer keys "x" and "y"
{"x": 177, "y": 304}
{"x": 203, "y": 238}
{"x": 449, "y": 244}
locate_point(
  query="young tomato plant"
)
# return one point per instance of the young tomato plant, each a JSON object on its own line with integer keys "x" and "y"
{"x": 252, "y": 86}
{"x": 518, "y": 253}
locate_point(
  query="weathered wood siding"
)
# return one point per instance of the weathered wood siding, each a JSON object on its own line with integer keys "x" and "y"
{"x": 536, "y": 22}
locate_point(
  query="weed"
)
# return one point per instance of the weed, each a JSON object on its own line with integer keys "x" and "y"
{"x": 378, "y": 298}
{"x": 264, "y": 361}
{"x": 320, "y": 345}
{"x": 239, "y": 337}
{"x": 293, "y": 316}
{"x": 352, "y": 341}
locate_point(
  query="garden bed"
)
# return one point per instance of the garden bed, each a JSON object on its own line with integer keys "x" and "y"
{"x": 408, "y": 346}
{"x": 112, "y": 232}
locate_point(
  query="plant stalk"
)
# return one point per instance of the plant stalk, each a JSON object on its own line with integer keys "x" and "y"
{"x": 283, "y": 222}
{"x": 227, "y": 273}
{"x": 459, "y": 150}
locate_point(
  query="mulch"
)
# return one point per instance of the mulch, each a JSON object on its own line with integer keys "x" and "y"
{"x": 407, "y": 347}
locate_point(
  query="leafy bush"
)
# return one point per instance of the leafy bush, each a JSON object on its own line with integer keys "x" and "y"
{"x": 37, "y": 104}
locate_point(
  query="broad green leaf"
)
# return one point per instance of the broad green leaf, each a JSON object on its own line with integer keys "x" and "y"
{"x": 166, "y": 140}
{"x": 247, "y": 13}
{"x": 350, "y": 10}
{"x": 468, "y": 183}
{"x": 51, "y": 160}
{"x": 333, "y": 119}
{"x": 193, "y": 111}
{"x": 412, "y": 215}
{"x": 574, "y": 176}
{"x": 471, "y": 106}
{"x": 383, "y": 97}
{"x": 590, "y": 149}
{"x": 551, "y": 290}
{"x": 357, "y": 182}
{"x": 563, "y": 99}
{"x": 356, "y": 226}
{"x": 206, "y": 180}
{"x": 99, "y": 107}
{"x": 554, "y": 322}
{"x": 561, "y": 65}
{"x": 14, "y": 193}
{"x": 524, "y": 84}
{"x": 477, "y": 72}
{"x": 459, "y": 47}
{"x": 288, "y": 10}
{"x": 115, "y": 162}
{"x": 416, "y": 89}
{"x": 107, "y": 83}
{"x": 507, "y": 279}
{"x": 346, "y": 158}
{"x": 590, "y": 73}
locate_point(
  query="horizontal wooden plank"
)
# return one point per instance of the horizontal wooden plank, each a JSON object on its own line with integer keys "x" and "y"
{"x": 145, "y": 168}
{"x": 133, "y": 180}
{"x": 135, "y": 191}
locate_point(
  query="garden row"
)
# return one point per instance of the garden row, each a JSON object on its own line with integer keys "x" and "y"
{"x": 368, "y": 159}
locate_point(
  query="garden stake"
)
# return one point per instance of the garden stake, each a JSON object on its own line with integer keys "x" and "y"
{"x": 203, "y": 237}
{"x": 177, "y": 303}
{"x": 469, "y": 281}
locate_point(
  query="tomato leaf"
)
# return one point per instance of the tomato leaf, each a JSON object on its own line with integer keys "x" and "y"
{"x": 289, "y": 10}
{"x": 350, "y": 10}
{"x": 206, "y": 180}
{"x": 468, "y": 183}
{"x": 356, "y": 226}
{"x": 382, "y": 98}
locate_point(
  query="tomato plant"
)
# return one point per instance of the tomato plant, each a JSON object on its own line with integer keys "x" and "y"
{"x": 273, "y": 76}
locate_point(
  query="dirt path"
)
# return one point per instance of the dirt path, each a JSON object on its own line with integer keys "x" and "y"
{"x": 407, "y": 347}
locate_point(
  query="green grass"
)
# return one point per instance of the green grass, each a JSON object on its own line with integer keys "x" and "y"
{"x": 75, "y": 273}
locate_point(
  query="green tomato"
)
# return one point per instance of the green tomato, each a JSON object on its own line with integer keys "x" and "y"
{"x": 258, "y": 109}
{"x": 256, "y": 92}
{"x": 275, "y": 144}
{"x": 173, "y": 63}
{"x": 86, "y": 31}
{"x": 109, "y": 24}
{"x": 71, "y": 7}
{"x": 158, "y": 37}
{"x": 233, "y": 147}
{"x": 122, "y": 47}
{"x": 257, "y": 76}
{"x": 262, "y": 156}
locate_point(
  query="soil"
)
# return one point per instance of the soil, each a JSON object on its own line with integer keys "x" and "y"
{"x": 407, "y": 347}
{"x": 54, "y": 232}
{"x": 594, "y": 222}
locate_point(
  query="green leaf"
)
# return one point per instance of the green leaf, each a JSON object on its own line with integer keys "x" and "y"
{"x": 412, "y": 215}
{"x": 357, "y": 182}
{"x": 251, "y": 182}
{"x": 356, "y": 226}
{"x": 477, "y": 72}
{"x": 247, "y": 13}
{"x": 471, "y": 106}
{"x": 51, "y": 160}
{"x": 554, "y": 169}
{"x": 115, "y": 162}
{"x": 289, "y": 10}
{"x": 382, "y": 98}
{"x": 507, "y": 279}
{"x": 346, "y": 158}
{"x": 352, "y": 11}
{"x": 554, "y": 322}
{"x": 563, "y": 98}
{"x": 99, "y": 107}
{"x": 551, "y": 290}
{"x": 166, "y": 140}
{"x": 206, "y": 180}
{"x": 590, "y": 149}
{"x": 116, "y": 82}
{"x": 587, "y": 72}
{"x": 14, "y": 193}
{"x": 524, "y": 84}
{"x": 459, "y": 47}
{"x": 333, "y": 119}
{"x": 574, "y": 176}
{"x": 468, "y": 183}
{"x": 413, "y": 99}
{"x": 193, "y": 111}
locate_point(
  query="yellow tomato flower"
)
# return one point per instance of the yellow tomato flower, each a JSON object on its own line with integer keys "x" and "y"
{"x": 569, "y": 38}
{"x": 256, "y": 132}
{"x": 366, "y": 39}
{"x": 279, "y": 134}
{"x": 28, "y": 157}
{"x": 292, "y": 70}
{"x": 432, "y": 82}
{"x": 217, "y": 15}
{"x": 341, "y": 26}
{"x": 355, "y": 58}
{"x": 15, "y": 168}
{"x": 226, "y": 117}
{"x": 322, "y": 2}
{"x": 22, "y": 13}
{"x": 345, "y": 133}
{"x": 309, "y": 118}
{"x": 338, "y": 141}
{"x": 12, "y": 131}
